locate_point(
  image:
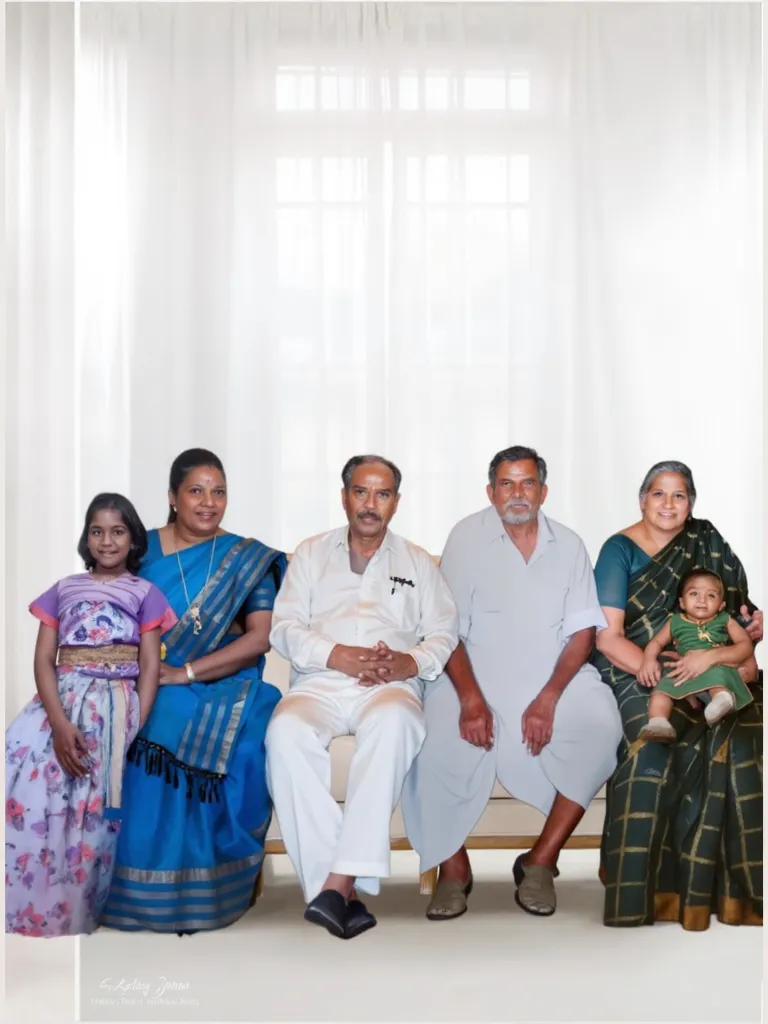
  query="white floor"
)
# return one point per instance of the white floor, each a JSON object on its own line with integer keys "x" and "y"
{"x": 494, "y": 964}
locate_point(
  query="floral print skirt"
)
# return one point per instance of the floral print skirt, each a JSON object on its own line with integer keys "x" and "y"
{"x": 59, "y": 847}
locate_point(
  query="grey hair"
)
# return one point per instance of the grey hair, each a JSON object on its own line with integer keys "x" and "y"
{"x": 517, "y": 453}
{"x": 367, "y": 460}
{"x": 670, "y": 466}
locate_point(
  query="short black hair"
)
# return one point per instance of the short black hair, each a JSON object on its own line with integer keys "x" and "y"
{"x": 365, "y": 460}
{"x": 182, "y": 466}
{"x": 517, "y": 453}
{"x": 129, "y": 515}
{"x": 700, "y": 571}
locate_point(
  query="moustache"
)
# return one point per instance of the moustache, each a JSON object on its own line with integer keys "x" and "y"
{"x": 368, "y": 515}
{"x": 517, "y": 504}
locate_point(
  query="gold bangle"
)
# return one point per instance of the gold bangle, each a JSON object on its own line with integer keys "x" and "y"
{"x": 190, "y": 672}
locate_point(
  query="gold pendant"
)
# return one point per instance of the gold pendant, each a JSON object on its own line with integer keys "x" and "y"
{"x": 194, "y": 611}
{"x": 163, "y": 651}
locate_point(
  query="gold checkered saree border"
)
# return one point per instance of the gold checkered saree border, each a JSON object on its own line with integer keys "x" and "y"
{"x": 683, "y": 833}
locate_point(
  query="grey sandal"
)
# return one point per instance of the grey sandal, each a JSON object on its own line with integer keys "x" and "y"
{"x": 449, "y": 900}
{"x": 535, "y": 888}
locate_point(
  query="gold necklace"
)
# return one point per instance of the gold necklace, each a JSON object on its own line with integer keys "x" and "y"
{"x": 194, "y": 609}
{"x": 703, "y": 634}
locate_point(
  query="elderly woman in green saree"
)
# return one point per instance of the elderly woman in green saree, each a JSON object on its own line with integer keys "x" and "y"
{"x": 683, "y": 834}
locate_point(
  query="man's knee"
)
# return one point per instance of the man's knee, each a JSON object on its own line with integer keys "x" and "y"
{"x": 597, "y": 720}
{"x": 604, "y": 731}
{"x": 395, "y": 713}
{"x": 289, "y": 726}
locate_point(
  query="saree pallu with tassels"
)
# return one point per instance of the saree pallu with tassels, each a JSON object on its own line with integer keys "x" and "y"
{"x": 683, "y": 835}
{"x": 196, "y": 806}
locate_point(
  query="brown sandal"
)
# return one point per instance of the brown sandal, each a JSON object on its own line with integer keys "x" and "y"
{"x": 535, "y": 887}
{"x": 449, "y": 900}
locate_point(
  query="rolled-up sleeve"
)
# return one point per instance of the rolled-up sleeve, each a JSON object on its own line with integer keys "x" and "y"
{"x": 291, "y": 636}
{"x": 439, "y": 625}
{"x": 582, "y": 610}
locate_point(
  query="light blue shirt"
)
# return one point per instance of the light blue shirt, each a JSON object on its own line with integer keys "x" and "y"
{"x": 515, "y": 617}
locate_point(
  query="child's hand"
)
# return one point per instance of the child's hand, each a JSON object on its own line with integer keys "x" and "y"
{"x": 690, "y": 666}
{"x": 650, "y": 672}
{"x": 70, "y": 748}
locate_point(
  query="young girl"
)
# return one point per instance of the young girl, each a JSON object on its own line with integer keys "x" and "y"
{"x": 97, "y": 664}
{"x": 701, "y": 632}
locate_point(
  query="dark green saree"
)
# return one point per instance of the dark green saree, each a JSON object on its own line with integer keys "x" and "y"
{"x": 683, "y": 834}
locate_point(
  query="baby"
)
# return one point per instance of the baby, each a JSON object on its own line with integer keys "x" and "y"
{"x": 700, "y": 632}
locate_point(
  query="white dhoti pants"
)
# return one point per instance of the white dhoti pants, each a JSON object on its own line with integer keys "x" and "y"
{"x": 388, "y": 723}
{"x": 451, "y": 780}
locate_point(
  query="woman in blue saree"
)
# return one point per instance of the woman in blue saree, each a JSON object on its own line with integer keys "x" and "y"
{"x": 195, "y": 803}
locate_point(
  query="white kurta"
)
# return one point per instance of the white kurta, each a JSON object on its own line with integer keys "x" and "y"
{"x": 401, "y": 599}
{"x": 515, "y": 619}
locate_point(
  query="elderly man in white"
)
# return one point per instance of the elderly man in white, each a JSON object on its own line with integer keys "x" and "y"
{"x": 519, "y": 701}
{"x": 365, "y": 618}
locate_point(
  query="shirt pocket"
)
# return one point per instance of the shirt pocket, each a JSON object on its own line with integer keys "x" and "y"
{"x": 401, "y": 605}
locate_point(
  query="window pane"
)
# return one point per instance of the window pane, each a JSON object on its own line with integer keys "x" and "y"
{"x": 485, "y": 92}
{"x": 486, "y": 179}
{"x": 341, "y": 89}
{"x": 329, "y": 92}
{"x": 409, "y": 92}
{"x": 295, "y": 89}
{"x": 306, "y": 99}
{"x": 344, "y": 180}
{"x": 351, "y": 92}
{"x": 437, "y": 184}
{"x": 437, "y": 92}
{"x": 286, "y": 92}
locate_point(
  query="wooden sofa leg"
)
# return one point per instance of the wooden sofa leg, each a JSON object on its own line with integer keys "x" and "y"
{"x": 428, "y": 882}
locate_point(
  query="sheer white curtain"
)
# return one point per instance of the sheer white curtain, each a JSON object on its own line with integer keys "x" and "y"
{"x": 308, "y": 230}
{"x": 42, "y": 520}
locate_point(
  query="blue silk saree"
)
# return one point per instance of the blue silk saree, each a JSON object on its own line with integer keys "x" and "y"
{"x": 195, "y": 803}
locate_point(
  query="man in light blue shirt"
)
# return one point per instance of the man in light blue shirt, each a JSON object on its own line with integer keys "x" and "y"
{"x": 518, "y": 701}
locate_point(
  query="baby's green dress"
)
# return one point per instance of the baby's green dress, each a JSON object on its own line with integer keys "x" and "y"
{"x": 688, "y": 635}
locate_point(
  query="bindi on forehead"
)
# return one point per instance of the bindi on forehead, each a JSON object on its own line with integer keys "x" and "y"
{"x": 204, "y": 477}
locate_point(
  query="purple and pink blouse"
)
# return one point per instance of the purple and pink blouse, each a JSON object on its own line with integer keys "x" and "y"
{"x": 92, "y": 613}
